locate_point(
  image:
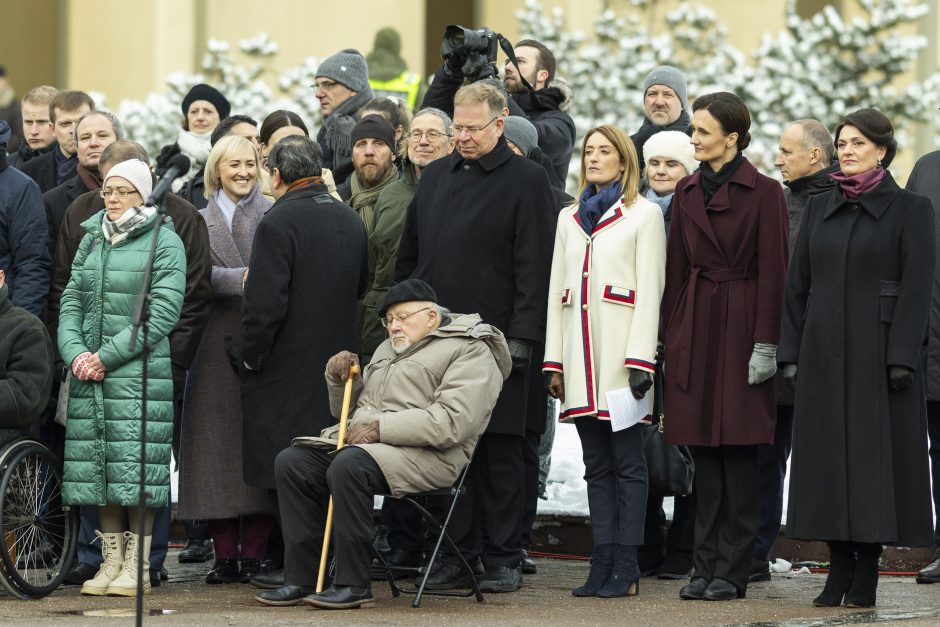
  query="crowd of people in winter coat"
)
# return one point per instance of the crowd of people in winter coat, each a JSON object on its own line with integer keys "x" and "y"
{"x": 421, "y": 251}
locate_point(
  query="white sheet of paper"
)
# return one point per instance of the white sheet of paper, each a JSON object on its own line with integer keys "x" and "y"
{"x": 625, "y": 410}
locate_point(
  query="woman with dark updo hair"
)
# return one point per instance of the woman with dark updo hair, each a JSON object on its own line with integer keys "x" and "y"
{"x": 854, "y": 334}
{"x": 726, "y": 263}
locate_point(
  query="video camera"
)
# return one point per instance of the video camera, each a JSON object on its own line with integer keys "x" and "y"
{"x": 470, "y": 54}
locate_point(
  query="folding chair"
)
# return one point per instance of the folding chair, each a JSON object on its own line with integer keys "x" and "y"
{"x": 454, "y": 491}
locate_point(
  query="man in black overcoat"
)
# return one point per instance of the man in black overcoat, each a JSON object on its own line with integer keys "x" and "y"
{"x": 308, "y": 268}
{"x": 925, "y": 180}
{"x": 480, "y": 230}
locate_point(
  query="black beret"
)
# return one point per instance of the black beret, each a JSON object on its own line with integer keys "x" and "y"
{"x": 407, "y": 291}
{"x": 209, "y": 94}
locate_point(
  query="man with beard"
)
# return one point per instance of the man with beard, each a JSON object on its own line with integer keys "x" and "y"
{"x": 664, "y": 103}
{"x": 542, "y": 101}
{"x": 58, "y": 165}
{"x": 38, "y": 136}
{"x": 94, "y": 131}
{"x": 479, "y": 231}
{"x": 373, "y": 140}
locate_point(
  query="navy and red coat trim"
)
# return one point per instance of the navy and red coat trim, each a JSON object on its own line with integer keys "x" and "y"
{"x": 566, "y": 296}
{"x": 620, "y": 295}
{"x": 603, "y": 224}
{"x": 630, "y": 362}
{"x": 552, "y": 366}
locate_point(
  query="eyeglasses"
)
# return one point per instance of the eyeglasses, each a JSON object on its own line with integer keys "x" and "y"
{"x": 400, "y": 318}
{"x": 456, "y": 129}
{"x": 120, "y": 193}
{"x": 325, "y": 85}
{"x": 432, "y": 135}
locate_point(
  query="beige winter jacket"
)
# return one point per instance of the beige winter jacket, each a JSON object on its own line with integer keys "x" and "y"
{"x": 432, "y": 402}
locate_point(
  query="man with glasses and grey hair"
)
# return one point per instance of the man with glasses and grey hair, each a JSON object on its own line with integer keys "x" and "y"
{"x": 480, "y": 231}
{"x": 308, "y": 268}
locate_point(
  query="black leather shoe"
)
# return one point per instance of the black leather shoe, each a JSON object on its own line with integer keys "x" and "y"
{"x": 157, "y": 577}
{"x": 285, "y": 595}
{"x": 248, "y": 569}
{"x": 527, "y": 566}
{"x": 445, "y": 576}
{"x": 694, "y": 590}
{"x": 931, "y": 572}
{"x": 760, "y": 570}
{"x": 341, "y": 598}
{"x": 268, "y": 579}
{"x": 675, "y": 567}
{"x": 380, "y": 542}
{"x": 501, "y": 579}
{"x": 196, "y": 551}
{"x": 721, "y": 590}
{"x": 80, "y": 573}
{"x": 407, "y": 561}
{"x": 223, "y": 571}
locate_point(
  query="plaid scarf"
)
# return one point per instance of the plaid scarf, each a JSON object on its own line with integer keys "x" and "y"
{"x": 117, "y": 231}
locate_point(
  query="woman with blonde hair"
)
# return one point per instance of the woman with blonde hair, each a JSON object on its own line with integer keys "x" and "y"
{"x": 211, "y": 484}
{"x": 608, "y": 272}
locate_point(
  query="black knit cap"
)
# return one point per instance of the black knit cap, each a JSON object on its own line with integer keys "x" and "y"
{"x": 407, "y": 291}
{"x": 376, "y": 127}
{"x": 210, "y": 94}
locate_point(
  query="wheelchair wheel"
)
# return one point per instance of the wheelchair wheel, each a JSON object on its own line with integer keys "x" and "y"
{"x": 38, "y": 534}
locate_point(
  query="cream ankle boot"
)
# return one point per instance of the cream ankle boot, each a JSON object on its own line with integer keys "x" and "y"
{"x": 112, "y": 553}
{"x": 126, "y": 583}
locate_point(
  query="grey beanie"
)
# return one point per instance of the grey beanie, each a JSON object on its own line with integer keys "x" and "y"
{"x": 520, "y": 131}
{"x": 670, "y": 77}
{"x": 348, "y": 67}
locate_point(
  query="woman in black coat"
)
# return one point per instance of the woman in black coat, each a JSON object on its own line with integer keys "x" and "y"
{"x": 854, "y": 329}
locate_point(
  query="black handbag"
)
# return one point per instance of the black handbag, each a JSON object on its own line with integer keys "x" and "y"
{"x": 671, "y": 467}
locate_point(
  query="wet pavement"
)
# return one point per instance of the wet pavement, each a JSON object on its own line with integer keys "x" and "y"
{"x": 545, "y": 599}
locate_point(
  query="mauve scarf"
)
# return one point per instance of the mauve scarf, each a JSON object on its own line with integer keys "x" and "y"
{"x": 858, "y": 184}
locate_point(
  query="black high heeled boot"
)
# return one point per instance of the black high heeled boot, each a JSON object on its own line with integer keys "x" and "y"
{"x": 625, "y": 576}
{"x": 841, "y": 565}
{"x": 602, "y": 563}
{"x": 865, "y": 576}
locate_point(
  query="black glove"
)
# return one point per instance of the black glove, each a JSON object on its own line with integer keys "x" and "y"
{"x": 789, "y": 375}
{"x": 453, "y": 61}
{"x": 900, "y": 377}
{"x": 520, "y": 351}
{"x": 234, "y": 353}
{"x": 660, "y": 352}
{"x": 640, "y": 382}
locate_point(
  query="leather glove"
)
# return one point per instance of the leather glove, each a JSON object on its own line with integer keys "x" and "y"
{"x": 556, "y": 386}
{"x": 640, "y": 382}
{"x": 763, "y": 364}
{"x": 364, "y": 434}
{"x": 339, "y": 364}
{"x": 453, "y": 61}
{"x": 789, "y": 375}
{"x": 520, "y": 351}
{"x": 900, "y": 377}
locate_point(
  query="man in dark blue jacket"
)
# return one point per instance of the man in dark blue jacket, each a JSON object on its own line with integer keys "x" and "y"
{"x": 24, "y": 240}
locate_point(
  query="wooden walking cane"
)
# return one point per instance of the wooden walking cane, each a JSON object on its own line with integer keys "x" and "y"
{"x": 340, "y": 442}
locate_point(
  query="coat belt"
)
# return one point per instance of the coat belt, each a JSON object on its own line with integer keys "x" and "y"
{"x": 696, "y": 274}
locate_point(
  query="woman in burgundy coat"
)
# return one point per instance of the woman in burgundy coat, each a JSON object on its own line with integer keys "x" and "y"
{"x": 725, "y": 269}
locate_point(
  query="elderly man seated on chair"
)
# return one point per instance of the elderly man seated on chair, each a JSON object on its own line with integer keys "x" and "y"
{"x": 420, "y": 406}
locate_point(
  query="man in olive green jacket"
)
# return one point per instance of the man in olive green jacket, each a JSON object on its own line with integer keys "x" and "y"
{"x": 420, "y": 407}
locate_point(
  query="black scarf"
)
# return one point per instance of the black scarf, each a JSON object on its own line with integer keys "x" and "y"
{"x": 27, "y": 153}
{"x": 712, "y": 181}
{"x": 547, "y": 99}
{"x": 648, "y": 129}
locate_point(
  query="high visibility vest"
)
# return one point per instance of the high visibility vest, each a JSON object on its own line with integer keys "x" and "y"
{"x": 404, "y": 87}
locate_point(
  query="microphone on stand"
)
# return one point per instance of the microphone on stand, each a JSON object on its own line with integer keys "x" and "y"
{"x": 178, "y": 166}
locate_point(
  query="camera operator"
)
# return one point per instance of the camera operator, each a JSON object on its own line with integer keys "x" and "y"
{"x": 470, "y": 56}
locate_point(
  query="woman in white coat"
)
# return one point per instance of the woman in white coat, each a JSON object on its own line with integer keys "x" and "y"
{"x": 608, "y": 272}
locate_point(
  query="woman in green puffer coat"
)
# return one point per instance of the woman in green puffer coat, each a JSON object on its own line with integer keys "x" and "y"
{"x": 102, "y": 448}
